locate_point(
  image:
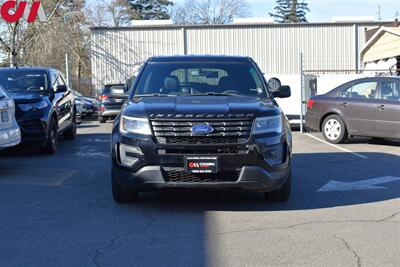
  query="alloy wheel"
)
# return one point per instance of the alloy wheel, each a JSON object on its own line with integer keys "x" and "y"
{"x": 333, "y": 129}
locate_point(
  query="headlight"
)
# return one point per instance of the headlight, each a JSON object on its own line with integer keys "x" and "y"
{"x": 271, "y": 124}
{"x": 7, "y": 104}
{"x": 134, "y": 125}
{"x": 33, "y": 106}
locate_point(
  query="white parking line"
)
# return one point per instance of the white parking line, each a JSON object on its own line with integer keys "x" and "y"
{"x": 337, "y": 147}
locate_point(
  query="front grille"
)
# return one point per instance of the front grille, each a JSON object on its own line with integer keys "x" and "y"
{"x": 179, "y": 175}
{"x": 203, "y": 151}
{"x": 32, "y": 126}
{"x": 233, "y": 131}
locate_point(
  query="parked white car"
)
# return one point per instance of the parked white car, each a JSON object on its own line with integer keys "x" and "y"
{"x": 10, "y": 134}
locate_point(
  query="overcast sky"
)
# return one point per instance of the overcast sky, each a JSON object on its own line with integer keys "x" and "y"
{"x": 324, "y": 10}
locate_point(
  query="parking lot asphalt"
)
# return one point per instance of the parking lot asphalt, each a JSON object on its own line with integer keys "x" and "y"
{"x": 57, "y": 210}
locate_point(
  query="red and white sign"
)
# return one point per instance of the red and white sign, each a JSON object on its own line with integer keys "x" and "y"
{"x": 12, "y": 11}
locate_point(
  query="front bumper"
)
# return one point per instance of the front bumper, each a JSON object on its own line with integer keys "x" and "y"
{"x": 33, "y": 125}
{"x": 10, "y": 137}
{"x": 251, "y": 178}
{"x": 109, "y": 112}
{"x": 245, "y": 169}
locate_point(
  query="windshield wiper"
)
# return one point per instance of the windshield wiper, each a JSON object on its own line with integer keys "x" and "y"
{"x": 155, "y": 94}
{"x": 214, "y": 94}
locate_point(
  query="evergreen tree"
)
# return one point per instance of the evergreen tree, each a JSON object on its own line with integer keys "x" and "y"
{"x": 290, "y": 11}
{"x": 150, "y": 9}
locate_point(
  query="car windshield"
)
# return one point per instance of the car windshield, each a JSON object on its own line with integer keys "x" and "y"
{"x": 200, "y": 79}
{"x": 15, "y": 80}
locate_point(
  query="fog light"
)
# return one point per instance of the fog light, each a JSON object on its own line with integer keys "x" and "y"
{"x": 274, "y": 155}
{"x": 129, "y": 155}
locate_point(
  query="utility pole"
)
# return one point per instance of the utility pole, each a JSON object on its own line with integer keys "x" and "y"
{"x": 67, "y": 68}
{"x": 301, "y": 61}
{"x": 379, "y": 13}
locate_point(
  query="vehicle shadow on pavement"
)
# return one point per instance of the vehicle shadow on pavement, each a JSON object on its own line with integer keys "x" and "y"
{"x": 311, "y": 172}
{"x": 86, "y": 158}
{"x": 62, "y": 204}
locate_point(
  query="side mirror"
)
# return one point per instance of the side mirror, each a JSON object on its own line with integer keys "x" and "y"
{"x": 283, "y": 92}
{"x": 274, "y": 84}
{"x": 62, "y": 89}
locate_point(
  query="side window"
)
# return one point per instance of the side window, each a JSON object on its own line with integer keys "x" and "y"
{"x": 61, "y": 80}
{"x": 53, "y": 79}
{"x": 257, "y": 80}
{"x": 390, "y": 90}
{"x": 106, "y": 90}
{"x": 366, "y": 90}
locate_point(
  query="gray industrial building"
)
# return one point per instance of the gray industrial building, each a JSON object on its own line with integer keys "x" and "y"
{"x": 117, "y": 52}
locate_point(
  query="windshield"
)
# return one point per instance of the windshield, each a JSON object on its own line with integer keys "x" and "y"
{"x": 200, "y": 78}
{"x": 23, "y": 80}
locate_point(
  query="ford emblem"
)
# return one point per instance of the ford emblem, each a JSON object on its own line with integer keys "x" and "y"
{"x": 202, "y": 129}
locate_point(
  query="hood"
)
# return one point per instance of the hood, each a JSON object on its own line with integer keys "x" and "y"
{"x": 223, "y": 106}
{"x": 85, "y": 101}
{"x": 90, "y": 99}
{"x": 27, "y": 97}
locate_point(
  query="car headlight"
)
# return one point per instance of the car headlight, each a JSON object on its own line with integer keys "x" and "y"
{"x": 33, "y": 106}
{"x": 271, "y": 124}
{"x": 134, "y": 125}
{"x": 7, "y": 104}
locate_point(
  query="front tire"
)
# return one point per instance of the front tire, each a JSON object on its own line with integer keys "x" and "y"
{"x": 121, "y": 195}
{"x": 51, "y": 144}
{"x": 70, "y": 134}
{"x": 102, "y": 119}
{"x": 334, "y": 130}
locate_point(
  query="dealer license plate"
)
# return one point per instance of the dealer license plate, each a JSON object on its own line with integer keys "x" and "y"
{"x": 201, "y": 164}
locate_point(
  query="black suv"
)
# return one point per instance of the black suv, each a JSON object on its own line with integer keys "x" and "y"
{"x": 45, "y": 107}
{"x": 110, "y": 101}
{"x": 204, "y": 122}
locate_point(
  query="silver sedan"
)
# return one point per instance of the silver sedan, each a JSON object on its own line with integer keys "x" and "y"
{"x": 10, "y": 134}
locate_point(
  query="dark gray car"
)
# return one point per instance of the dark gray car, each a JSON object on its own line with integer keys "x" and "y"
{"x": 364, "y": 107}
{"x": 111, "y": 100}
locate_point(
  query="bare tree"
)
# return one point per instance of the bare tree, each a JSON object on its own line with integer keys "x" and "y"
{"x": 121, "y": 12}
{"x": 115, "y": 13}
{"x": 66, "y": 32}
{"x": 97, "y": 13}
{"x": 18, "y": 36}
{"x": 209, "y": 11}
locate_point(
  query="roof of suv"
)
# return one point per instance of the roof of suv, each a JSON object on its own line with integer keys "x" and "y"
{"x": 199, "y": 58}
{"x": 28, "y": 68}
